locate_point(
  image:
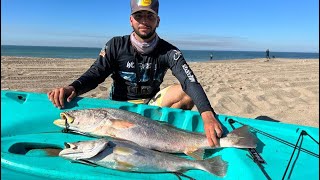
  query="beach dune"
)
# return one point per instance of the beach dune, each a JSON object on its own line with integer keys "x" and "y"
{"x": 285, "y": 90}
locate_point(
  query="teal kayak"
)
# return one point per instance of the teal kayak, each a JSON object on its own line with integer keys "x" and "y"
{"x": 30, "y": 142}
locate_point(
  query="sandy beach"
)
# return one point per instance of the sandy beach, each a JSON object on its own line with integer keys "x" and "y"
{"x": 286, "y": 90}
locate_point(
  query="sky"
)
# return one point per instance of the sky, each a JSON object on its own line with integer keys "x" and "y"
{"x": 249, "y": 25}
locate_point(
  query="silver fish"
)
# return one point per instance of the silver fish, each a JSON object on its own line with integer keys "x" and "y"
{"x": 127, "y": 156}
{"x": 148, "y": 133}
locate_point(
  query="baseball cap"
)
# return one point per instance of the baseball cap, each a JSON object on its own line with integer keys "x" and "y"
{"x": 147, "y": 5}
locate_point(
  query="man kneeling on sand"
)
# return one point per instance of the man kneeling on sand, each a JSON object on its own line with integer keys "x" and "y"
{"x": 137, "y": 64}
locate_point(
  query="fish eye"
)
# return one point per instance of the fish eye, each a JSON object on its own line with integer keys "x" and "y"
{"x": 66, "y": 145}
{"x": 63, "y": 116}
{"x": 68, "y": 118}
{"x": 70, "y": 146}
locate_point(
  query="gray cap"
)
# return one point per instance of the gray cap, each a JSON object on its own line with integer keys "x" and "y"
{"x": 146, "y": 5}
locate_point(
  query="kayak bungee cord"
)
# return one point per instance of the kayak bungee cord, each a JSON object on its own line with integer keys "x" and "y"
{"x": 256, "y": 157}
{"x": 178, "y": 174}
{"x": 285, "y": 172}
{"x": 254, "y": 154}
{"x": 302, "y": 133}
{"x": 278, "y": 139}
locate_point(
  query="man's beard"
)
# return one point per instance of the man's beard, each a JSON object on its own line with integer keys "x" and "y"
{"x": 147, "y": 36}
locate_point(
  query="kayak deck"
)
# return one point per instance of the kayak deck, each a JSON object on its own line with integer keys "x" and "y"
{"x": 30, "y": 141}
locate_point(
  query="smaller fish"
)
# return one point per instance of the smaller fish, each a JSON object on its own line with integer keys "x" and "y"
{"x": 127, "y": 156}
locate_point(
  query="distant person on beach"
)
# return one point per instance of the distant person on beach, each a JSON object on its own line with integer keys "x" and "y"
{"x": 211, "y": 56}
{"x": 267, "y": 54}
{"x": 137, "y": 64}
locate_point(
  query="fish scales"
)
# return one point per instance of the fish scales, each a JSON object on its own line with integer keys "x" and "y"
{"x": 117, "y": 123}
{"x": 128, "y": 156}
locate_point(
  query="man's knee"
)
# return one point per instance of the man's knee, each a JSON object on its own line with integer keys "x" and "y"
{"x": 186, "y": 102}
{"x": 174, "y": 96}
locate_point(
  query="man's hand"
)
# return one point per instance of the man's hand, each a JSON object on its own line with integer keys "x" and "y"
{"x": 212, "y": 128}
{"x": 57, "y": 95}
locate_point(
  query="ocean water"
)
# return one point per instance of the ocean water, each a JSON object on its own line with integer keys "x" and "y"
{"x": 190, "y": 55}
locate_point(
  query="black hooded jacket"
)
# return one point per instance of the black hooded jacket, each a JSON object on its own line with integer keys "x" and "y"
{"x": 137, "y": 76}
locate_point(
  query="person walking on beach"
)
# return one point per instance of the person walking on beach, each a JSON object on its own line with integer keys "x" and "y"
{"x": 267, "y": 54}
{"x": 137, "y": 64}
{"x": 211, "y": 56}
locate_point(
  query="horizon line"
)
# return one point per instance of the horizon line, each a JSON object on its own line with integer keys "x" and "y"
{"x": 179, "y": 48}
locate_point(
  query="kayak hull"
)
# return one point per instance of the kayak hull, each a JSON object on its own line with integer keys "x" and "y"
{"x": 29, "y": 140}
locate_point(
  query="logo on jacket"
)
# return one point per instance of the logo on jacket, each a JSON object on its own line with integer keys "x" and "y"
{"x": 176, "y": 55}
{"x": 188, "y": 73}
{"x": 130, "y": 64}
{"x": 102, "y": 53}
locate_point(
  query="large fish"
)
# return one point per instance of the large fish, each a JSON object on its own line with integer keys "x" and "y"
{"x": 128, "y": 156}
{"x": 148, "y": 133}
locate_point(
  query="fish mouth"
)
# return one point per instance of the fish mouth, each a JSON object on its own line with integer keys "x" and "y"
{"x": 64, "y": 121}
{"x": 69, "y": 145}
{"x": 70, "y": 149}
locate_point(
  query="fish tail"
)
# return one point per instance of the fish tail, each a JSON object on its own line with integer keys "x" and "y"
{"x": 241, "y": 138}
{"x": 214, "y": 165}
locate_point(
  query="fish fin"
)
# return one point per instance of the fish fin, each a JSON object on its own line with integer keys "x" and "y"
{"x": 180, "y": 173}
{"x": 163, "y": 123}
{"x": 123, "y": 166}
{"x": 121, "y": 124}
{"x": 77, "y": 132}
{"x": 124, "y": 151}
{"x": 94, "y": 151}
{"x": 215, "y": 165}
{"x": 241, "y": 138}
{"x": 125, "y": 140}
{"x": 195, "y": 153}
{"x": 82, "y": 161}
{"x": 166, "y": 124}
